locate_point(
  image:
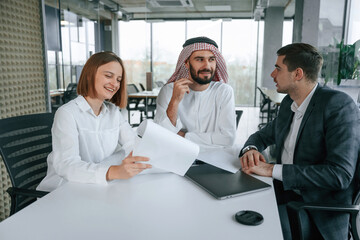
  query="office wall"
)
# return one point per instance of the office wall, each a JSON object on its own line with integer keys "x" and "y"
{"x": 23, "y": 85}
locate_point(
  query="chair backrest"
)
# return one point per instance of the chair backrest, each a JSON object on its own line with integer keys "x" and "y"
{"x": 142, "y": 87}
{"x": 70, "y": 92}
{"x": 132, "y": 88}
{"x": 263, "y": 95}
{"x": 355, "y": 221}
{"x": 25, "y": 142}
{"x": 71, "y": 87}
{"x": 264, "y": 99}
{"x": 238, "y": 116}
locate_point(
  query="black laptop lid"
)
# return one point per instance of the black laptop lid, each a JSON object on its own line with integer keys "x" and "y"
{"x": 223, "y": 184}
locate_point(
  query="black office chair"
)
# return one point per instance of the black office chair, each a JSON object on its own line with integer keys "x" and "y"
{"x": 138, "y": 104}
{"x": 268, "y": 110}
{"x": 133, "y": 103}
{"x": 152, "y": 101}
{"x": 25, "y": 142}
{"x": 142, "y": 87}
{"x": 295, "y": 209}
{"x": 151, "y": 107}
{"x": 70, "y": 92}
{"x": 238, "y": 116}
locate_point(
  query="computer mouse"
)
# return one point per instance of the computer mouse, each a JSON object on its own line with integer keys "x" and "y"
{"x": 249, "y": 217}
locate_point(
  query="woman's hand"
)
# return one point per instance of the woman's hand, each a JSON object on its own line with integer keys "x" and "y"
{"x": 129, "y": 167}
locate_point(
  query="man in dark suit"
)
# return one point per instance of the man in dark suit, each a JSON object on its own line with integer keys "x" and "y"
{"x": 317, "y": 138}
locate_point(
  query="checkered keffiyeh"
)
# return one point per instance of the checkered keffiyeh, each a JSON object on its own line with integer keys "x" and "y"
{"x": 181, "y": 70}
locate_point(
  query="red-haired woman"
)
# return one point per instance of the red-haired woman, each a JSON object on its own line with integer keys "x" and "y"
{"x": 90, "y": 129}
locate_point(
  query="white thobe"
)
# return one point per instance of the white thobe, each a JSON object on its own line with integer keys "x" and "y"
{"x": 208, "y": 116}
{"x": 83, "y": 143}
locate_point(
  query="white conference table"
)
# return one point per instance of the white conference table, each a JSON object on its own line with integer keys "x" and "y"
{"x": 144, "y": 94}
{"x": 149, "y": 206}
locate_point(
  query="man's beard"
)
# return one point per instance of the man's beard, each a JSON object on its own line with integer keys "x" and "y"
{"x": 199, "y": 80}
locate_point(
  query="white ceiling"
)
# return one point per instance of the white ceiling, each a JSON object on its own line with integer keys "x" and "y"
{"x": 168, "y": 9}
{"x": 198, "y": 9}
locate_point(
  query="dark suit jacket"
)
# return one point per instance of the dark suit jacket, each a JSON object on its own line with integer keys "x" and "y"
{"x": 326, "y": 153}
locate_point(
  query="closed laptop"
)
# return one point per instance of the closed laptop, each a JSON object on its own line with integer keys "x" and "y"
{"x": 223, "y": 184}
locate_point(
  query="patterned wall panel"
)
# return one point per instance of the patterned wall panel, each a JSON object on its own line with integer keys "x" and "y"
{"x": 22, "y": 69}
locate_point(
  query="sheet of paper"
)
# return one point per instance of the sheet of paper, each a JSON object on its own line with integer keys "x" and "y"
{"x": 222, "y": 159}
{"x": 166, "y": 150}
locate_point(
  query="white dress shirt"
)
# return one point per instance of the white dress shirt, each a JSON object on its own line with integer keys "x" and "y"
{"x": 287, "y": 155}
{"x": 208, "y": 116}
{"x": 83, "y": 143}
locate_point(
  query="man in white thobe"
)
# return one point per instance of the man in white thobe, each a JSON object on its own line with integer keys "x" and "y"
{"x": 196, "y": 102}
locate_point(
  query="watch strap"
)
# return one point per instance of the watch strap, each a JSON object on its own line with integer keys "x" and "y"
{"x": 248, "y": 148}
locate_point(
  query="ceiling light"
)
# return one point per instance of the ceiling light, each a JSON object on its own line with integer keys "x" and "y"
{"x": 217, "y": 8}
{"x": 64, "y": 23}
{"x": 136, "y": 9}
{"x": 154, "y": 20}
{"x": 171, "y": 3}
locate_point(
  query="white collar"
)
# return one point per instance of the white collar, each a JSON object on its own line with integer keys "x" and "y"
{"x": 85, "y": 106}
{"x": 300, "y": 110}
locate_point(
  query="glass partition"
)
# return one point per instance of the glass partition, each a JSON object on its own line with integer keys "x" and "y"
{"x": 77, "y": 44}
{"x": 330, "y": 37}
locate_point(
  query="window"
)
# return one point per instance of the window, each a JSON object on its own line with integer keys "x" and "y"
{"x": 330, "y": 22}
{"x": 239, "y": 50}
{"x": 287, "y": 32}
{"x": 51, "y": 58}
{"x": 237, "y": 39}
{"x": 135, "y": 49}
{"x": 207, "y": 28}
{"x": 353, "y": 33}
{"x": 166, "y": 48}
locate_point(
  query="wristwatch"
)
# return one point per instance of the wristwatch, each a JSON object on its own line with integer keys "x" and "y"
{"x": 248, "y": 148}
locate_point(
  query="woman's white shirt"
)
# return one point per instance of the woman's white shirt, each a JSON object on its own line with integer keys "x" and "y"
{"x": 83, "y": 143}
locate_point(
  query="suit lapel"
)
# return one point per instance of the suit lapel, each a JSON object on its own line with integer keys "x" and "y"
{"x": 308, "y": 112}
{"x": 288, "y": 120}
{"x": 285, "y": 130}
{"x": 285, "y": 127}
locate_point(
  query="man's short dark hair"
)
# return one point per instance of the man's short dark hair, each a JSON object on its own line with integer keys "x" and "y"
{"x": 304, "y": 56}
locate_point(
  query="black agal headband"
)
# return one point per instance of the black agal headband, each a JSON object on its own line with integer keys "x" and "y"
{"x": 200, "y": 40}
